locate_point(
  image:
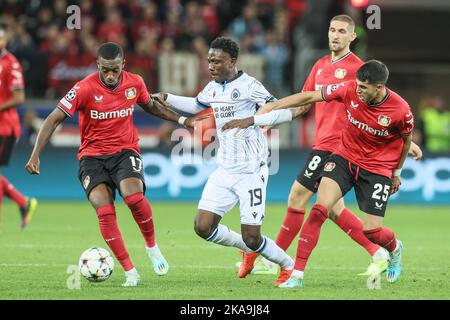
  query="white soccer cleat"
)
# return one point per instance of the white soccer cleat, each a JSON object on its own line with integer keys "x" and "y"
{"x": 160, "y": 265}
{"x": 132, "y": 278}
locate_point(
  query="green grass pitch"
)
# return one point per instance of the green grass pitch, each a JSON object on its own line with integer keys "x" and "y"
{"x": 34, "y": 262}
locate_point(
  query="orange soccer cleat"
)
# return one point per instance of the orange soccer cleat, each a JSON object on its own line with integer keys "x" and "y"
{"x": 284, "y": 275}
{"x": 248, "y": 260}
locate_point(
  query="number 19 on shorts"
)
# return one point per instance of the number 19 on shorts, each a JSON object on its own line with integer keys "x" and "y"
{"x": 255, "y": 197}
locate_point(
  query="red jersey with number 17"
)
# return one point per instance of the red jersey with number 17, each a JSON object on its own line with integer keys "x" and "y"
{"x": 106, "y": 115}
{"x": 328, "y": 115}
{"x": 371, "y": 137}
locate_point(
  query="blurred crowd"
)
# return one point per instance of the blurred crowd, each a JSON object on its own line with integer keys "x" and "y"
{"x": 53, "y": 56}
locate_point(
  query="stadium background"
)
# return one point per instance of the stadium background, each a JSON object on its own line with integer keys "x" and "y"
{"x": 166, "y": 42}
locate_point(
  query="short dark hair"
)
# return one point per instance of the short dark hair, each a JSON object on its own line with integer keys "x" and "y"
{"x": 344, "y": 18}
{"x": 227, "y": 45}
{"x": 110, "y": 51}
{"x": 374, "y": 72}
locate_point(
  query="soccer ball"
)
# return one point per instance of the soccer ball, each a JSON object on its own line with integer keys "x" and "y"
{"x": 96, "y": 264}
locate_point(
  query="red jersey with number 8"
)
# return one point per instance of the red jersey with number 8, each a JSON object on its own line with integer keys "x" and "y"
{"x": 106, "y": 115}
{"x": 328, "y": 115}
{"x": 371, "y": 137}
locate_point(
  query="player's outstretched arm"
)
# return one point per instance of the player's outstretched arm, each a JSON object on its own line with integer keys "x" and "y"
{"x": 396, "y": 181}
{"x": 267, "y": 119}
{"x": 293, "y": 101}
{"x": 296, "y": 112}
{"x": 45, "y": 132}
{"x": 159, "y": 108}
{"x": 415, "y": 151}
{"x": 179, "y": 103}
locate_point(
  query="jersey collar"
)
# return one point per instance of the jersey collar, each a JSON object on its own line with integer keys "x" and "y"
{"x": 223, "y": 84}
{"x": 240, "y": 73}
{"x": 388, "y": 93}
{"x": 341, "y": 58}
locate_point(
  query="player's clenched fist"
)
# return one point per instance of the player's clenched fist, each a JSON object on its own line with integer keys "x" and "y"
{"x": 32, "y": 166}
{"x": 396, "y": 182}
{"x": 415, "y": 151}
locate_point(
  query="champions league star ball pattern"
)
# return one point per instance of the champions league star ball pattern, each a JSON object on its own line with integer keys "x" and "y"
{"x": 71, "y": 95}
{"x": 96, "y": 264}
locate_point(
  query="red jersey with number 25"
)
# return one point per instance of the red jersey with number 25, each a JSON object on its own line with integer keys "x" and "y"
{"x": 11, "y": 78}
{"x": 328, "y": 115}
{"x": 106, "y": 116}
{"x": 371, "y": 138}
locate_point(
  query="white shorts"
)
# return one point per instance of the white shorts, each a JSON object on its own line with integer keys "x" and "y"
{"x": 224, "y": 190}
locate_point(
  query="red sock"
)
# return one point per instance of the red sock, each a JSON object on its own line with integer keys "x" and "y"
{"x": 382, "y": 236}
{"x": 290, "y": 227}
{"x": 142, "y": 213}
{"x": 351, "y": 225}
{"x": 310, "y": 235}
{"x": 13, "y": 193}
{"x": 111, "y": 233}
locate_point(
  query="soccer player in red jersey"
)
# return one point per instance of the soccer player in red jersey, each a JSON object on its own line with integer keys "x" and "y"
{"x": 340, "y": 65}
{"x": 109, "y": 153}
{"x": 12, "y": 93}
{"x": 369, "y": 158}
